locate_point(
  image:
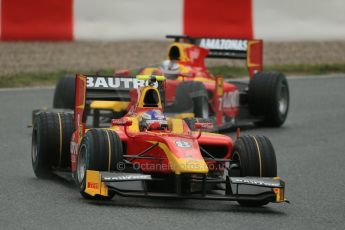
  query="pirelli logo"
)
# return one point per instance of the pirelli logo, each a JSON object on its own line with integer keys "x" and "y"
{"x": 92, "y": 185}
{"x": 259, "y": 182}
{"x": 130, "y": 177}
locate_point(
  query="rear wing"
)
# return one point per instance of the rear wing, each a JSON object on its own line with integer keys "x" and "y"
{"x": 249, "y": 50}
{"x": 105, "y": 88}
{"x": 111, "y": 88}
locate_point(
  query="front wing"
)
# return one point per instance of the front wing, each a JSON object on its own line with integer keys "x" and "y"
{"x": 265, "y": 189}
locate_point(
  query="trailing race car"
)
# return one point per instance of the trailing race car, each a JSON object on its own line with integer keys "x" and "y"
{"x": 191, "y": 87}
{"x": 192, "y": 90}
{"x": 161, "y": 155}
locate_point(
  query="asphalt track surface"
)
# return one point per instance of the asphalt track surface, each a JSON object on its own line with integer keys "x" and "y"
{"x": 310, "y": 153}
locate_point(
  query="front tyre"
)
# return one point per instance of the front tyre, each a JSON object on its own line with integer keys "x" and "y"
{"x": 100, "y": 150}
{"x": 254, "y": 156}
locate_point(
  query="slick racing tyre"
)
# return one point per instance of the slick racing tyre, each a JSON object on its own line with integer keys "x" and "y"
{"x": 51, "y": 137}
{"x": 268, "y": 98}
{"x": 65, "y": 93}
{"x": 100, "y": 150}
{"x": 254, "y": 156}
{"x": 191, "y": 96}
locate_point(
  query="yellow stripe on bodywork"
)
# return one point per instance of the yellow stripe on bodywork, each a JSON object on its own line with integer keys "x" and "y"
{"x": 279, "y": 194}
{"x": 94, "y": 185}
{"x": 147, "y": 77}
{"x": 175, "y": 125}
{"x": 135, "y": 125}
{"x": 116, "y": 106}
{"x": 184, "y": 115}
{"x": 183, "y": 165}
{"x": 83, "y": 79}
{"x": 201, "y": 79}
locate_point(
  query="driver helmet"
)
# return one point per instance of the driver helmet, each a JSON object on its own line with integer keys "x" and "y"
{"x": 153, "y": 116}
{"x": 170, "y": 69}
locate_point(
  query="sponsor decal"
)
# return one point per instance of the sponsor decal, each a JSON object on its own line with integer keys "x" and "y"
{"x": 231, "y": 99}
{"x": 74, "y": 148}
{"x": 193, "y": 54}
{"x": 183, "y": 144}
{"x": 115, "y": 82}
{"x": 204, "y": 125}
{"x": 92, "y": 185}
{"x": 80, "y": 127}
{"x": 127, "y": 177}
{"x": 224, "y": 44}
{"x": 254, "y": 182}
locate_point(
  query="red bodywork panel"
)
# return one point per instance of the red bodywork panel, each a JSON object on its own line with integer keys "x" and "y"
{"x": 139, "y": 142}
{"x": 79, "y": 125}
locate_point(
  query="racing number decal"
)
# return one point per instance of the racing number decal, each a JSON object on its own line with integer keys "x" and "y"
{"x": 231, "y": 99}
{"x": 183, "y": 144}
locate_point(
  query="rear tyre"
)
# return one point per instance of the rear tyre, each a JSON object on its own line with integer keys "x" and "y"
{"x": 255, "y": 157}
{"x": 51, "y": 142}
{"x": 191, "y": 96}
{"x": 64, "y": 95}
{"x": 100, "y": 150}
{"x": 268, "y": 97}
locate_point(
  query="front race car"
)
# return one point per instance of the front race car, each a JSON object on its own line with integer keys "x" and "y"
{"x": 157, "y": 156}
{"x": 147, "y": 154}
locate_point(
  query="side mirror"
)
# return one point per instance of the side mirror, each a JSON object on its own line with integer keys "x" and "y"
{"x": 204, "y": 125}
{"x": 121, "y": 122}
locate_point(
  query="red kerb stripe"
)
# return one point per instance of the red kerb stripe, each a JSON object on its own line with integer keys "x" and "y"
{"x": 36, "y": 20}
{"x": 218, "y": 18}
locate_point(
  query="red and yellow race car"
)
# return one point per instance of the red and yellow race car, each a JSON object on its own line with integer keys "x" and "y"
{"x": 191, "y": 87}
{"x": 194, "y": 92}
{"x": 146, "y": 154}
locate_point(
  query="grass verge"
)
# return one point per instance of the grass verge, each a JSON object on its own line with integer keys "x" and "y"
{"x": 39, "y": 79}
